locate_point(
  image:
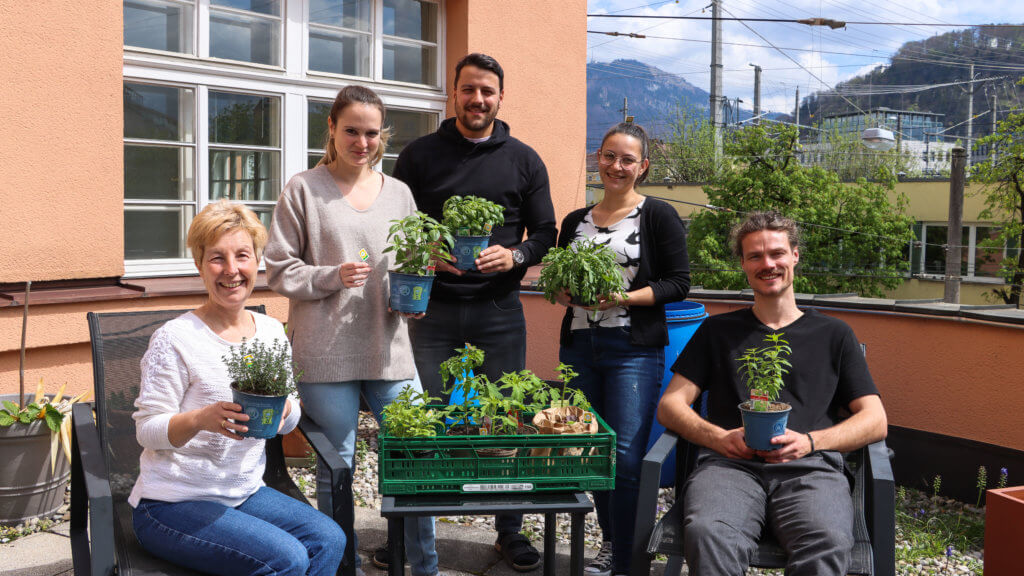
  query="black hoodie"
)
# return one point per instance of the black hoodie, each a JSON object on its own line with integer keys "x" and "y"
{"x": 501, "y": 169}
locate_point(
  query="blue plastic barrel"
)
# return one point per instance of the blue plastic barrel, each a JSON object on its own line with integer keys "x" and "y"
{"x": 683, "y": 320}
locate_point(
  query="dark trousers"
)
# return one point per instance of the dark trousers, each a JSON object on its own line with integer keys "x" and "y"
{"x": 806, "y": 503}
{"x": 496, "y": 326}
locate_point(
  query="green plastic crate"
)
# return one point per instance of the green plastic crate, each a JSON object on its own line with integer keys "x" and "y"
{"x": 450, "y": 464}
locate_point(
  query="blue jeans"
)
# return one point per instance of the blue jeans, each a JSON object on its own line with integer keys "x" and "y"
{"x": 335, "y": 407}
{"x": 622, "y": 382}
{"x": 269, "y": 533}
{"x": 496, "y": 326}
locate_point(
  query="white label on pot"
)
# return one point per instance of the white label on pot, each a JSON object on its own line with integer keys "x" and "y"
{"x": 508, "y": 487}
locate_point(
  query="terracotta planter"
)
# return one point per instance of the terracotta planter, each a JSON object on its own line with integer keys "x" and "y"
{"x": 295, "y": 445}
{"x": 1004, "y": 531}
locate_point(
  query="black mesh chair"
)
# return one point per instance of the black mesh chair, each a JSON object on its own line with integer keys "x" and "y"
{"x": 874, "y": 497}
{"x": 105, "y": 457}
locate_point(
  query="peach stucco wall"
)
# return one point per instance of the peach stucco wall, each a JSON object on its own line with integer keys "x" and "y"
{"x": 542, "y": 47}
{"x": 944, "y": 375}
{"x": 61, "y": 175}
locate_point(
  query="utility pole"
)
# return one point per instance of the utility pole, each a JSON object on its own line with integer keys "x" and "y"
{"x": 797, "y": 122}
{"x": 716, "y": 76}
{"x": 625, "y": 109}
{"x": 757, "y": 93}
{"x": 993, "y": 112}
{"x": 954, "y": 228}
{"x": 970, "y": 115}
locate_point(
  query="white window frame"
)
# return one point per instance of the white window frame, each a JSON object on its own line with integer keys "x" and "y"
{"x": 291, "y": 82}
{"x": 972, "y": 249}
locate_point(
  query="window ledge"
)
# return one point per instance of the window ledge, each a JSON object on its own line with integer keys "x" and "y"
{"x": 103, "y": 289}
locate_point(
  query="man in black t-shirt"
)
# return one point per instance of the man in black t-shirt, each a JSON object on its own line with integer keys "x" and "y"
{"x": 798, "y": 490}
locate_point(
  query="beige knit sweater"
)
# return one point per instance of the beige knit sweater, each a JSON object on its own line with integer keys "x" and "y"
{"x": 339, "y": 333}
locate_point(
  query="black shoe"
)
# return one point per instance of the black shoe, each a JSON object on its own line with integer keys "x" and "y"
{"x": 601, "y": 565}
{"x": 381, "y": 556}
{"x": 520, "y": 555}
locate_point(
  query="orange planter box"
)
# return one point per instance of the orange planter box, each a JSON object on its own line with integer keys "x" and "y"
{"x": 1004, "y": 531}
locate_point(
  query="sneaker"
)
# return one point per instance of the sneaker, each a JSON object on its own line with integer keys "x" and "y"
{"x": 601, "y": 565}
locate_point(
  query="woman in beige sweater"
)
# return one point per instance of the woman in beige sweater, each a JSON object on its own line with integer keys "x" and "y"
{"x": 326, "y": 255}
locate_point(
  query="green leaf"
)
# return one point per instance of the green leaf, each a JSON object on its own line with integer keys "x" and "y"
{"x": 11, "y": 407}
{"x": 7, "y": 419}
{"x": 53, "y": 418}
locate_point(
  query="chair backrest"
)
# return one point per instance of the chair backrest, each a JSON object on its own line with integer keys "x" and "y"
{"x": 119, "y": 339}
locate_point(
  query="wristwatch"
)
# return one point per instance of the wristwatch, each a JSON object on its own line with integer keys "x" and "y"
{"x": 518, "y": 257}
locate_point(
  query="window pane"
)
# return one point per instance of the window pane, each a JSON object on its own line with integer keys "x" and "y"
{"x": 245, "y": 38}
{"x": 158, "y": 173}
{"x": 156, "y": 231}
{"x": 244, "y": 119}
{"x": 986, "y": 260}
{"x": 388, "y": 165}
{"x": 411, "y": 19}
{"x": 271, "y": 7}
{"x": 934, "y": 254}
{"x": 312, "y": 160}
{"x": 265, "y": 214}
{"x": 353, "y": 14}
{"x": 245, "y": 175}
{"x": 158, "y": 112}
{"x": 407, "y": 126}
{"x": 415, "y": 64}
{"x": 339, "y": 52}
{"x": 158, "y": 25}
{"x": 316, "y": 124}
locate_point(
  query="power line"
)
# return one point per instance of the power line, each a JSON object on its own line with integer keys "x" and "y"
{"x": 807, "y": 21}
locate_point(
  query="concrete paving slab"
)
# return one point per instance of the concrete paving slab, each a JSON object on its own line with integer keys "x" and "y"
{"x": 40, "y": 554}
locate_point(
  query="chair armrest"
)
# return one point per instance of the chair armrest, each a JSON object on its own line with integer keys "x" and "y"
{"x": 647, "y": 503}
{"x": 880, "y": 507}
{"x": 337, "y": 502}
{"x": 92, "y": 507}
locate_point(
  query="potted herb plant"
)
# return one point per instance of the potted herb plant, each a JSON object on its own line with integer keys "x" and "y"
{"x": 471, "y": 219}
{"x": 411, "y": 415}
{"x": 262, "y": 377}
{"x": 761, "y": 369}
{"x": 585, "y": 269}
{"x": 416, "y": 241}
{"x": 568, "y": 413}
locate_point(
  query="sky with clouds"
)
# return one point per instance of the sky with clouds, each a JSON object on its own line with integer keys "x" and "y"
{"x": 827, "y": 56}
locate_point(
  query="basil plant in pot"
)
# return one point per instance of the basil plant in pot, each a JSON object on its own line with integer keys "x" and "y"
{"x": 412, "y": 414}
{"x": 471, "y": 219}
{"x": 585, "y": 269}
{"x": 417, "y": 240}
{"x": 761, "y": 369}
{"x": 262, "y": 377}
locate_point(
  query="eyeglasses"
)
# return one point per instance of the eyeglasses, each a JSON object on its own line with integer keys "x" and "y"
{"x": 608, "y": 158}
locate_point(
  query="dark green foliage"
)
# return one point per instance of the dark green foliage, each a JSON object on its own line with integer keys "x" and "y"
{"x": 1003, "y": 194}
{"x": 854, "y": 234}
{"x": 587, "y": 270}
{"x": 11, "y": 414}
{"x": 260, "y": 369}
{"x": 416, "y": 241}
{"x": 688, "y": 155}
{"x": 472, "y": 215}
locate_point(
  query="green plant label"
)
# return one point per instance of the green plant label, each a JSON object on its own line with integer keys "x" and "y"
{"x": 487, "y": 227}
{"x": 476, "y": 251}
{"x": 417, "y": 293}
{"x": 268, "y": 416}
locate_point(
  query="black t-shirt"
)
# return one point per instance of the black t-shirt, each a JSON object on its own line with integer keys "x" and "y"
{"x": 829, "y": 370}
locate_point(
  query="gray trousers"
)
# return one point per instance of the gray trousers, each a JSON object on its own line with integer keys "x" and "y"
{"x": 806, "y": 503}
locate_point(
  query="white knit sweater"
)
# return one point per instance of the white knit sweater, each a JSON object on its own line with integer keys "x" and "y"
{"x": 183, "y": 369}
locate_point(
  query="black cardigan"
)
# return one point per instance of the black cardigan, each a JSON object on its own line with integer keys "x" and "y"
{"x": 664, "y": 266}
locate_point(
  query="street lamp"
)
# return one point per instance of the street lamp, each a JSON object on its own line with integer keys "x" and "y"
{"x": 880, "y": 139}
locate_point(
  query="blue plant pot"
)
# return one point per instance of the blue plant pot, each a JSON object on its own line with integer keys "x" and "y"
{"x": 264, "y": 413}
{"x": 760, "y": 427}
{"x": 467, "y": 249}
{"x": 409, "y": 292}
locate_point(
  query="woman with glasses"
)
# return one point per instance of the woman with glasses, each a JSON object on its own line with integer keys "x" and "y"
{"x": 617, "y": 346}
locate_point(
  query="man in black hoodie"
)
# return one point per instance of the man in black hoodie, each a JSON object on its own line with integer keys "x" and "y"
{"x": 474, "y": 155}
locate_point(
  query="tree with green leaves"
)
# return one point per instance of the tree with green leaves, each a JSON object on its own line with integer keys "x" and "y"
{"x": 688, "y": 155}
{"x": 854, "y": 234}
{"x": 1003, "y": 193}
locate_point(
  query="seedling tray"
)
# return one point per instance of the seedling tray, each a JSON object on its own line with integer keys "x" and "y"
{"x": 452, "y": 464}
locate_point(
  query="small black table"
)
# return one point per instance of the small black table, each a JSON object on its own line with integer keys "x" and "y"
{"x": 576, "y": 504}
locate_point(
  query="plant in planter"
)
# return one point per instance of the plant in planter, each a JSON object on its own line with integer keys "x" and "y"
{"x": 585, "y": 269}
{"x": 471, "y": 219}
{"x": 262, "y": 377}
{"x": 463, "y": 386}
{"x": 761, "y": 369}
{"x": 569, "y": 412}
{"x": 32, "y": 433}
{"x": 410, "y": 415}
{"x": 416, "y": 241}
